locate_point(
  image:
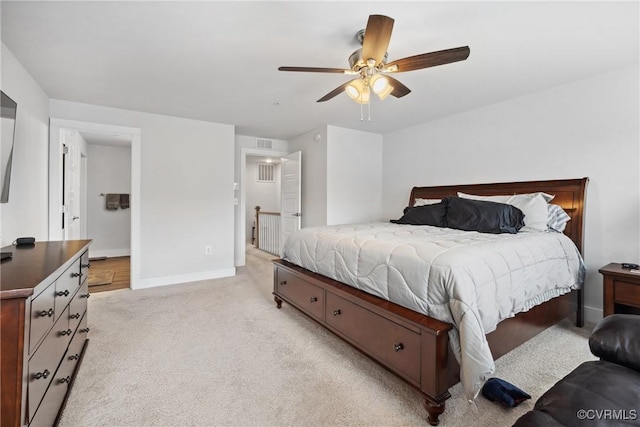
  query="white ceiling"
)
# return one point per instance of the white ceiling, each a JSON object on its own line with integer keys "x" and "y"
{"x": 217, "y": 61}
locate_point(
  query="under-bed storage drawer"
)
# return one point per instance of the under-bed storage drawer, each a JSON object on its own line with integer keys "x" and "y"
{"x": 299, "y": 292}
{"x": 389, "y": 342}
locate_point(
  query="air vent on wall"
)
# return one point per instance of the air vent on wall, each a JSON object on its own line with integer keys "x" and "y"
{"x": 265, "y": 172}
{"x": 265, "y": 143}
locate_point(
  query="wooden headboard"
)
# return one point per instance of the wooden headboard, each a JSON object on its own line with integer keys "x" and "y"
{"x": 569, "y": 194}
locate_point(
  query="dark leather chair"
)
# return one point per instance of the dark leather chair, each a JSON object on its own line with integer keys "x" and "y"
{"x": 598, "y": 393}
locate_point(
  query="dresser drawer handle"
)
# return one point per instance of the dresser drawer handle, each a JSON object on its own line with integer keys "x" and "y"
{"x": 47, "y": 313}
{"x": 283, "y": 282}
{"x": 65, "y": 380}
{"x": 43, "y": 374}
{"x": 337, "y": 312}
{"x": 67, "y": 332}
{"x": 74, "y": 316}
{"x": 313, "y": 299}
{"x": 85, "y": 295}
{"x": 84, "y": 330}
{"x": 74, "y": 357}
{"x": 398, "y": 347}
{"x": 76, "y": 274}
{"x": 63, "y": 294}
{"x": 87, "y": 265}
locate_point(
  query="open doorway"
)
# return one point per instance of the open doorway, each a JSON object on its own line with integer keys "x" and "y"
{"x": 94, "y": 194}
{"x": 262, "y": 195}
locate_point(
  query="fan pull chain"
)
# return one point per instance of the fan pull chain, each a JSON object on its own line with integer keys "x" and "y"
{"x": 361, "y": 112}
{"x": 369, "y": 111}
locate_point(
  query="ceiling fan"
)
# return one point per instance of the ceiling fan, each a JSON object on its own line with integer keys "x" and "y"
{"x": 370, "y": 64}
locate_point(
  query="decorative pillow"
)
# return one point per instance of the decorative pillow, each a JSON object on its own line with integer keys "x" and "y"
{"x": 504, "y": 198}
{"x": 497, "y": 390}
{"x": 424, "y": 215}
{"x": 532, "y": 205}
{"x": 483, "y": 216}
{"x": 558, "y": 218}
{"x": 422, "y": 202}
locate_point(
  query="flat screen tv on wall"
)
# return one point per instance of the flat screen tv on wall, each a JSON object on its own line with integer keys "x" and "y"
{"x": 7, "y": 134}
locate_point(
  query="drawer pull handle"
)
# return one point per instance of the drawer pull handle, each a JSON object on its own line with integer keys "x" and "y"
{"x": 65, "y": 380}
{"x": 283, "y": 282}
{"x": 398, "y": 347}
{"x": 74, "y": 316}
{"x": 76, "y": 274}
{"x": 84, "y": 330}
{"x": 87, "y": 265}
{"x": 314, "y": 299}
{"x": 85, "y": 295}
{"x": 43, "y": 374}
{"x": 47, "y": 313}
{"x": 63, "y": 294}
{"x": 74, "y": 357}
{"x": 337, "y": 312}
{"x": 67, "y": 332}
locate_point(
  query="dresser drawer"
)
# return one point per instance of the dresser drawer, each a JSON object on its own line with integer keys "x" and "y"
{"x": 299, "y": 292}
{"x": 389, "y": 342}
{"x": 84, "y": 267}
{"x": 626, "y": 293}
{"x": 42, "y": 316}
{"x": 44, "y": 363}
{"x": 66, "y": 286}
{"x": 78, "y": 306}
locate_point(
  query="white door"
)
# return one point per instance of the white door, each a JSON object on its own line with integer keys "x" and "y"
{"x": 290, "y": 206}
{"x": 71, "y": 187}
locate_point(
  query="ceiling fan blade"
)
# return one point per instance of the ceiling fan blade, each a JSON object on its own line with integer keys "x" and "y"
{"x": 427, "y": 60}
{"x": 335, "y": 92}
{"x": 399, "y": 90}
{"x": 316, "y": 70}
{"x": 376, "y": 37}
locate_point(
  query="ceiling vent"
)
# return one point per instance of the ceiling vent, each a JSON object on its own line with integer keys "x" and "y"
{"x": 265, "y": 143}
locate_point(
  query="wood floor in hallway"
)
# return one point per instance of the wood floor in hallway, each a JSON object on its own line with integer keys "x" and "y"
{"x": 121, "y": 266}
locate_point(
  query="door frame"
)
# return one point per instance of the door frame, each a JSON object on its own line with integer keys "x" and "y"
{"x": 55, "y": 181}
{"x": 241, "y": 243}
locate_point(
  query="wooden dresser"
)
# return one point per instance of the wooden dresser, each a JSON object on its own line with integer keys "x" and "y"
{"x": 44, "y": 333}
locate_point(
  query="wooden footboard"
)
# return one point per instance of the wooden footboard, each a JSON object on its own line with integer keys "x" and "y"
{"x": 411, "y": 345}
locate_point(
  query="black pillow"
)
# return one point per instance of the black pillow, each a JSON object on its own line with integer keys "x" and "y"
{"x": 424, "y": 215}
{"x": 483, "y": 216}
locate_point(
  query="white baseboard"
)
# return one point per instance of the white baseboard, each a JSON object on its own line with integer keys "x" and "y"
{"x": 152, "y": 282}
{"x": 109, "y": 253}
{"x": 592, "y": 314}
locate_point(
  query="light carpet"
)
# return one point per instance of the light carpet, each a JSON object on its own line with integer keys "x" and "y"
{"x": 219, "y": 353}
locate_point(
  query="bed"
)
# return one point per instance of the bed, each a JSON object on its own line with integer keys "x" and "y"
{"x": 412, "y": 338}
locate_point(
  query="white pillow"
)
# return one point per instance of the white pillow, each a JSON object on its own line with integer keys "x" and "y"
{"x": 423, "y": 202}
{"x": 532, "y": 205}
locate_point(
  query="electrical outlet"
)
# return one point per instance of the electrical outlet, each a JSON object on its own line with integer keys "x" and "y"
{"x": 208, "y": 250}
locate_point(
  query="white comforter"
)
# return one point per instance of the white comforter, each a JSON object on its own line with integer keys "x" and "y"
{"x": 472, "y": 280}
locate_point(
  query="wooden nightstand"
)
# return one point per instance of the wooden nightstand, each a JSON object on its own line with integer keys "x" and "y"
{"x": 621, "y": 290}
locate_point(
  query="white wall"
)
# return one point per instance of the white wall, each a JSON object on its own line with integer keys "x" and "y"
{"x": 354, "y": 177}
{"x": 586, "y": 128}
{"x": 263, "y": 194}
{"x": 186, "y": 199}
{"x": 26, "y": 213}
{"x": 108, "y": 171}
{"x": 314, "y": 176}
{"x": 341, "y": 176}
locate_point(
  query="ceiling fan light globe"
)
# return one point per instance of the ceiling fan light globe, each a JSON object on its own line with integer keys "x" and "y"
{"x": 379, "y": 83}
{"x": 364, "y": 96}
{"x": 386, "y": 92}
{"x": 352, "y": 92}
